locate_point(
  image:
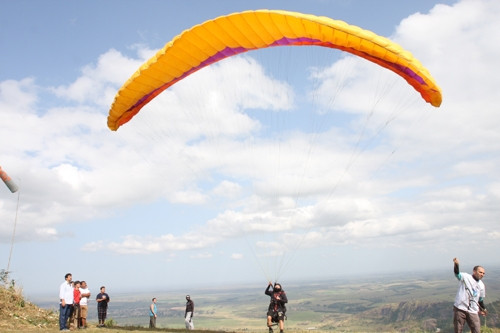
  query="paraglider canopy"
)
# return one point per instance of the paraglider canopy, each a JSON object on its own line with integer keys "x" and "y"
{"x": 225, "y": 36}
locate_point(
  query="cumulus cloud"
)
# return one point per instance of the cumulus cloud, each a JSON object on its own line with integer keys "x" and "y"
{"x": 237, "y": 256}
{"x": 408, "y": 197}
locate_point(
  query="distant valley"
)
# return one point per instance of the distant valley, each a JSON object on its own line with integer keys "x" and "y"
{"x": 385, "y": 303}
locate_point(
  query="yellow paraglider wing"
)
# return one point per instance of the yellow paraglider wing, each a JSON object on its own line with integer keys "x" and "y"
{"x": 225, "y": 36}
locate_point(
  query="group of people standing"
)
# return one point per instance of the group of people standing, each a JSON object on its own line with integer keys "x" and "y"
{"x": 73, "y": 304}
{"x": 74, "y": 296}
{"x": 188, "y": 313}
{"x": 468, "y": 305}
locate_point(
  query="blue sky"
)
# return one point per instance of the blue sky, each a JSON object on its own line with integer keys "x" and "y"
{"x": 288, "y": 163}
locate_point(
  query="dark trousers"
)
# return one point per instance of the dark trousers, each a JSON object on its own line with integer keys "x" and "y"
{"x": 64, "y": 314}
{"x": 101, "y": 313}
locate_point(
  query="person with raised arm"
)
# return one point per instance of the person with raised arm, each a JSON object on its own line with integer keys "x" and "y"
{"x": 469, "y": 300}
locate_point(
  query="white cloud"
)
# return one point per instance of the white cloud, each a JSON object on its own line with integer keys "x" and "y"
{"x": 227, "y": 189}
{"x": 237, "y": 256}
{"x": 203, "y": 255}
{"x": 93, "y": 246}
{"x": 93, "y": 86}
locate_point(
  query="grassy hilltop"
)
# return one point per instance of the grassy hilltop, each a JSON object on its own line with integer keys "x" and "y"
{"x": 382, "y": 304}
{"x": 18, "y": 314}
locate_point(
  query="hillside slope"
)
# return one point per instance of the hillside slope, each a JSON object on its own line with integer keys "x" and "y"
{"x": 18, "y": 314}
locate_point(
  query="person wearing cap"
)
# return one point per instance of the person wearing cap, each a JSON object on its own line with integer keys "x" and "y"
{"x": 188, "y": 314}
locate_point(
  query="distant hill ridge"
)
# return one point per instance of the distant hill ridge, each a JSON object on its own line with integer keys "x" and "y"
{"x": 430, "y": 315}
{"x": 415, "y": 310}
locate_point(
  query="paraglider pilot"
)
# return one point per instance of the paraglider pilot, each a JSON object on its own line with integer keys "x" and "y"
{"x": 277, "y": 309}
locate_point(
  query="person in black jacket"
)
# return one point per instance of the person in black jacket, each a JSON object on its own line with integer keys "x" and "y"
{"x": 277, "y": 309}
{"x": 188, "y": 314}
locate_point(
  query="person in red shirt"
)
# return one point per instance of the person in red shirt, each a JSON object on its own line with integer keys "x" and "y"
{"x": 76, "y": 306}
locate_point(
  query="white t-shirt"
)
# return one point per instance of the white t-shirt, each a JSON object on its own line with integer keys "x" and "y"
{"x": 469, "y": 292}
{"x": 84, "y": 300}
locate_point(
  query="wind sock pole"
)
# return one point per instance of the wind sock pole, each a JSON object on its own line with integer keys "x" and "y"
{"x": 13, "y": 233}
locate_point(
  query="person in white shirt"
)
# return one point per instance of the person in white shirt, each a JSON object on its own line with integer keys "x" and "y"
{"x": 85, "y": 293}
{"x": 65, "y": 302}
{"x": 469, "y": 299}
